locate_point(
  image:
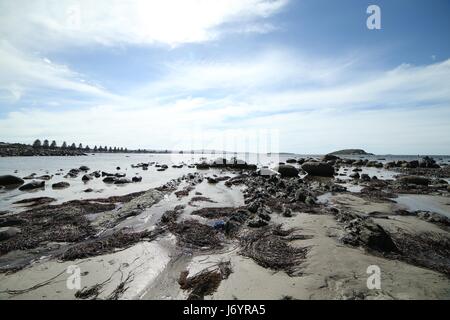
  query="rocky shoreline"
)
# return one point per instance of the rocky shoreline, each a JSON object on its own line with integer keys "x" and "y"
{"x": 280, "y": 227}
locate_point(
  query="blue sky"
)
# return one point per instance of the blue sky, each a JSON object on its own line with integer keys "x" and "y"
{"x": 207, "y": 74}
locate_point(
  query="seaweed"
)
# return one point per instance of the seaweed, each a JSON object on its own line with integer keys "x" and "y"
{"x": 206, "y": 281}
{"x": 109, "y": 244}
{"x": 269, "y": 247}
{"x": 193, "y": 234}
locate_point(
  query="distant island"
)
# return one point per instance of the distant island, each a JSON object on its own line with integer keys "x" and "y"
{"x": 351, "y": 152}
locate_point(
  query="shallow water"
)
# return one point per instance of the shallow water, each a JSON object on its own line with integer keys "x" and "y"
{"x": 414, "y": 202}
{"x": 151, "y": 178}
{"x": 24, "y": 166}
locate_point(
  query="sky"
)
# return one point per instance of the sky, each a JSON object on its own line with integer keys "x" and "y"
{"x": 302, "y": 76}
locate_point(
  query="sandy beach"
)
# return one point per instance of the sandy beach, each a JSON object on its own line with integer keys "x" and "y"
{"x": 235, "y": 232}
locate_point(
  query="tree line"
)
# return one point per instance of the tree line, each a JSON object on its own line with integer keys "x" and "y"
{"x": 37, "y": 144}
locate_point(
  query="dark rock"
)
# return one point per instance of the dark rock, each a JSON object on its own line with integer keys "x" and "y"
{"x": 212, "y": 180}
{"x": 291, "y": 161}
{"x": 330, "y": 157}
{"x": 32, "y": 185}
{"x": 354, "y": 175}
{"x": 84, "y": 168}
{"x": 320, "y": 169}
{"x": 231, "y": 227}
{"x": 109, "y": 179}
{"x": 286, "y": 212}
{"x": 88, "y": 190}
{"x": 257, "y": 223}
{"x": 86, "y": 178}
{"x": 413, "y": 164}
{"x": 365, "y": 177}
{"x": 414, "y": 180}
{"x": 374, "y": 164}
{"x": 136, "y": 179}
{"x": 96, "y": 174}
{"x": 287, "y": 170}
{"x": 122, "y": 181}
{"x": 9, "y": 181}
{"x": 60, "y": 185}
{"x": 11, "y": 221}
{"x": 44, "y": 177}
{"x": 202, "y": 166}
{"x": 428, "y": 162}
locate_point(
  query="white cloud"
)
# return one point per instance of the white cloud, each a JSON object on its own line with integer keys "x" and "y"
{"x": 329, "y": 124}
{"x": 270, "y": 69}
{"x": 20, "y": 72}
{"x": 52, "y": 24}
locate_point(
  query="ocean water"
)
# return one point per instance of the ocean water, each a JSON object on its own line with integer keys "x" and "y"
{"x": 24, "y": 166}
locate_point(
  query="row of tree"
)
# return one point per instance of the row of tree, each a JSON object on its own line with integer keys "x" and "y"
{"x": 47, "y": 145}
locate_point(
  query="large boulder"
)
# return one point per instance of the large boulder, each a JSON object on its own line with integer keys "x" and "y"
{"x": 287, "y": 170}
{"x": 32, "y": 185}
{"x": 9, "y": 181}
{"x": 321, "y": 169}
{"x": 422, "y": 181}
